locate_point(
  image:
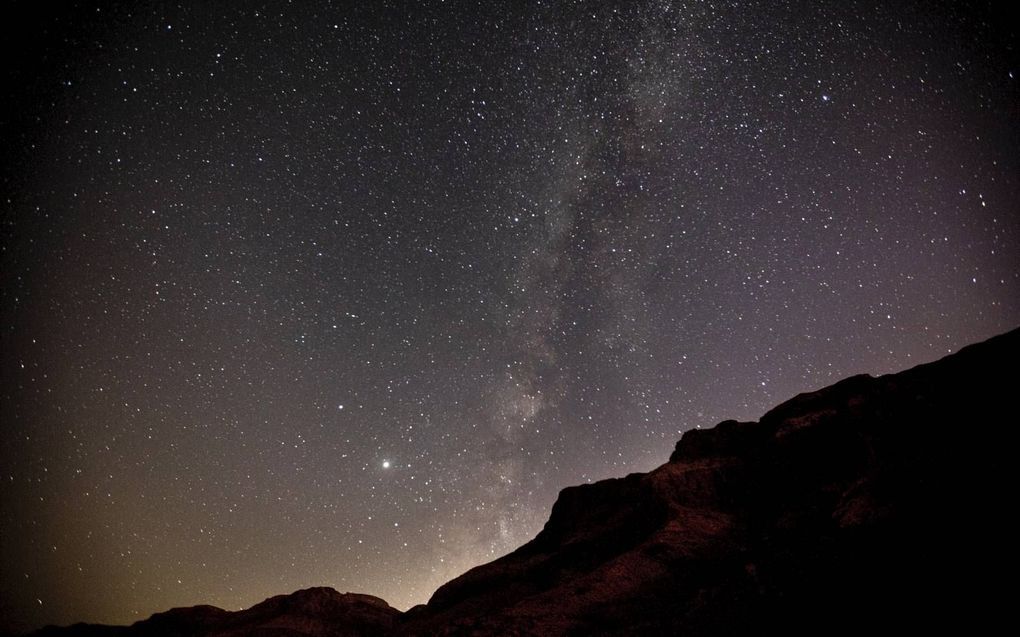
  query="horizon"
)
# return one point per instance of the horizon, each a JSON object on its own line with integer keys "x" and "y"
{"x": 313, "y": 587}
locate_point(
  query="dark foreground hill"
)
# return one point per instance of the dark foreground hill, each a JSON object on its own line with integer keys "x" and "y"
{"x": 876, "y": 504}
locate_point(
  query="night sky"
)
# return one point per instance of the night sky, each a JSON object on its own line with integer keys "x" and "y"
{"x": 342, "y": 294}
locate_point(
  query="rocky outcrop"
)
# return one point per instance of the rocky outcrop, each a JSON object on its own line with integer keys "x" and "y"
{"x": 874, "y": 504}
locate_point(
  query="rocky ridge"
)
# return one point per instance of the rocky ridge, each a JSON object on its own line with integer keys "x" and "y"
{"x": 873, "y": 503}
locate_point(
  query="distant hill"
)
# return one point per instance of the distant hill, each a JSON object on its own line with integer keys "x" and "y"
{"x": 313, "y": 611}
{"x": 873, "y": 504}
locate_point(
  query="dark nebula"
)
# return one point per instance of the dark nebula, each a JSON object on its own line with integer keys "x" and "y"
{"x": 300, "y": 294}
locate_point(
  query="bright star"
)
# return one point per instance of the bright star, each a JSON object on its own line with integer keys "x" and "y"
{"x": 385, "y": 464}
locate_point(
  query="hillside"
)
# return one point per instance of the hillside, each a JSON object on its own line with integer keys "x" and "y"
{"x": 875, "y": 503}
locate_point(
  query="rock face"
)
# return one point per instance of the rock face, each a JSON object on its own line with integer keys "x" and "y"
{"x": 873, "y": 503}
{"x": 876, "y": 503}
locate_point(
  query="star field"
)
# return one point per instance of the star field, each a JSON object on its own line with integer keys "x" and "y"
{"x": 342, "y": 294}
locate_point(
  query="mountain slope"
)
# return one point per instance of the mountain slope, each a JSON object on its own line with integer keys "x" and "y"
{"x": 872, "y": 502}
{"x": 875, "y": 503}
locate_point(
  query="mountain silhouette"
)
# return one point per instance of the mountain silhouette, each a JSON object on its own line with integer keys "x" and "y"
{"x": 873, "y": 504}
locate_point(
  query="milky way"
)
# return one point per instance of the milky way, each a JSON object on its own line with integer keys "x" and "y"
{"x": 314, "y": 294}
